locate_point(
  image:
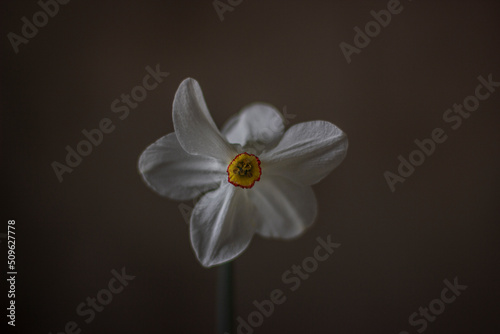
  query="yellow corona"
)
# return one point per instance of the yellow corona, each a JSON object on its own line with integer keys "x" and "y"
{"x": 244, "y": 170}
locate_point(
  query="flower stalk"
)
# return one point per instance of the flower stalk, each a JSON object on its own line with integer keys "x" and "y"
{"x": 225, "y": 298}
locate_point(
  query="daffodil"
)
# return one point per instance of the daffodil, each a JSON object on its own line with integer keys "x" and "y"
{"x": 253, "y": 177}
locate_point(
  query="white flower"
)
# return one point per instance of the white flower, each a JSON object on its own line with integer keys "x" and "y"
{"x": 254, "y": 176}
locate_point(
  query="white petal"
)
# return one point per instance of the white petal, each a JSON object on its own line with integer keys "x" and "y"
{"x": 258, "y": 125}
{"x": 222, "y": 225}
{"x": 172, "y": 172}
{"x": 307, "y": 152}
{"x": 195, "y": 128}
{"x": 284, "y": 208}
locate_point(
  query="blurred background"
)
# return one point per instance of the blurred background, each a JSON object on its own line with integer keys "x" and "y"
{"x": 397, "y": 247}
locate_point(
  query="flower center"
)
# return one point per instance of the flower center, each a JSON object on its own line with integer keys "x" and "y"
{"x": 244, "y": 170}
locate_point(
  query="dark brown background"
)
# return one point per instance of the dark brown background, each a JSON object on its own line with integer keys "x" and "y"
{"x": 397, "y": 248}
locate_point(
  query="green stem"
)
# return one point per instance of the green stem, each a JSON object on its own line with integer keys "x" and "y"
{"x": 225, "y": 299}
